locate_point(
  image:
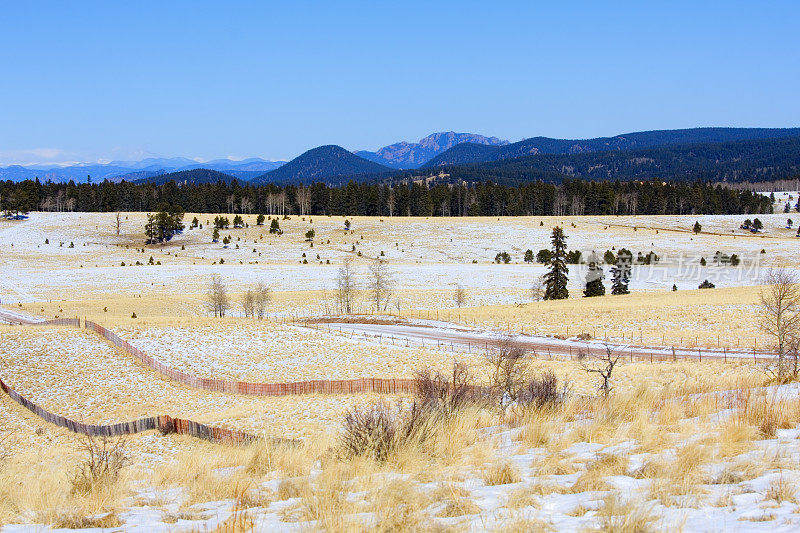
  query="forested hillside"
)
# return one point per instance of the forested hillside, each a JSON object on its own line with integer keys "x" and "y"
{"x": 471, "y": 153}
{"x": 751, "y": 160}
{"x": 194, "y": 176}
{"x": 321, "y": 164}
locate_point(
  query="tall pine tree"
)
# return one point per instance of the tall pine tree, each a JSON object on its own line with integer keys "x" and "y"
{"x": 621, "y": 272}
{"x": 555, "y": 280}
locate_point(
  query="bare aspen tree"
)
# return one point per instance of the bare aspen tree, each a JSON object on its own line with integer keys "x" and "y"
{"x": 460, "y": 296}
{"x": 381, "y": 283}
{"x": 303, "y": 197}
{"x": 780, "y": 314}
{"x": 248, "y": 303}
{"x": 346, "y": 287}
{"x": 602, "y": 364}
{"x": 118, "y": 222}
{"x": 261, "y": 299}
{"x": 218, "y": 300}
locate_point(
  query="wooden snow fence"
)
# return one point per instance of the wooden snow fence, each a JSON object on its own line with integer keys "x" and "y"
{"x": 164, "y": 423}
{"x": 317, "y": 386}
{"x": 72, "y": 322}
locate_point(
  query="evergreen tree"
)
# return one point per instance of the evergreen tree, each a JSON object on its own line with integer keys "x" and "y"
{"x": 697, "y": 227}
{"x": 274, "y": 226}
{"x": 543, "y": 256}
{"x": 594, "y": 277}
{"x": 556, "y": 279}
{"x": 528, "y": 256}
{"x": 621, "y": 272}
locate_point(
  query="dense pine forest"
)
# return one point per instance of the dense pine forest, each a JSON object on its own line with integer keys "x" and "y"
{"x": 408, "y": 198}
{"x": 750, "y": 160}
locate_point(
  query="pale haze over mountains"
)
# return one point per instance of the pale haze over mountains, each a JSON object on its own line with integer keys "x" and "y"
{"x": 401, "y": 155}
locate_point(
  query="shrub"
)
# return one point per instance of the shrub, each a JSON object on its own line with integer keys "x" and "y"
{"x": 445, "y": 394}
{"x": 542, "y": 391}
{"x": 706, "y": 285}
{"x": 105, "y": 459}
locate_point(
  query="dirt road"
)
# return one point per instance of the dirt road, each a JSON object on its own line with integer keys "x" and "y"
{"x": 447, "y": 336}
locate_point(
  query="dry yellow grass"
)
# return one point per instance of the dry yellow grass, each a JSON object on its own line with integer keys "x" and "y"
{"x": 654, "y": 409}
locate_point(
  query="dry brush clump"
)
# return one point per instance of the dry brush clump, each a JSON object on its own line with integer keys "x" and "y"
{"x": 377, "y": 431}
{"x": 103, "y": 462}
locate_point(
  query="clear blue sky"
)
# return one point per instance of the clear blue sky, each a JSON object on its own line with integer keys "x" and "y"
{"x": 89, "y": 80}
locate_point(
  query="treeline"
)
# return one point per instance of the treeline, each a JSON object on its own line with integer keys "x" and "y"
{"x": 406, "y": 198}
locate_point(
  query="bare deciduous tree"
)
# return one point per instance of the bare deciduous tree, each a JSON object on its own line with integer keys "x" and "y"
{"x": 537, "y": 289}
{"x": 602, "y": 364}
{"x": 118, "y": 222}
{"x": 218, "y": 301}
{"x": 780, "y": 315}
{"x": 381, "y": 283}
{"x": 303, "y": 197}
{"x": 346, "y": 287}
{"x": 460, "y": 296}
{"x": 262, "y": 297}
{"x": 248, "y": 303}
{"x": 509, "y": 368}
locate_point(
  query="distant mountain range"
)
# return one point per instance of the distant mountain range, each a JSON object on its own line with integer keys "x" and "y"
{"x": 733, "y": 154}
{"x": 467, "y": 153}
{"x": 136, "y": 170}
{"x": 731, "y": 161}
{"x": 404, "y": 155}
{"x": 320, "y": 165}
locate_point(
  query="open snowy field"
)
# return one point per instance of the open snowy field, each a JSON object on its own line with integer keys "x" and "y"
{"x": 666, "y": 451}
{"x": 77, "y": 374}
{"x": 429, "y": 257}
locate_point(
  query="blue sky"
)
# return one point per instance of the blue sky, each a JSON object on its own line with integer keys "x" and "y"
{"x": 83, "y": 81}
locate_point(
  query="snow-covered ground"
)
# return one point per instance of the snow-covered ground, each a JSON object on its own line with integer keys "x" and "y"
{"x": 76, "y": 374}
{"x": 273, "y": 353}
{"x": 425, "y": 255}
